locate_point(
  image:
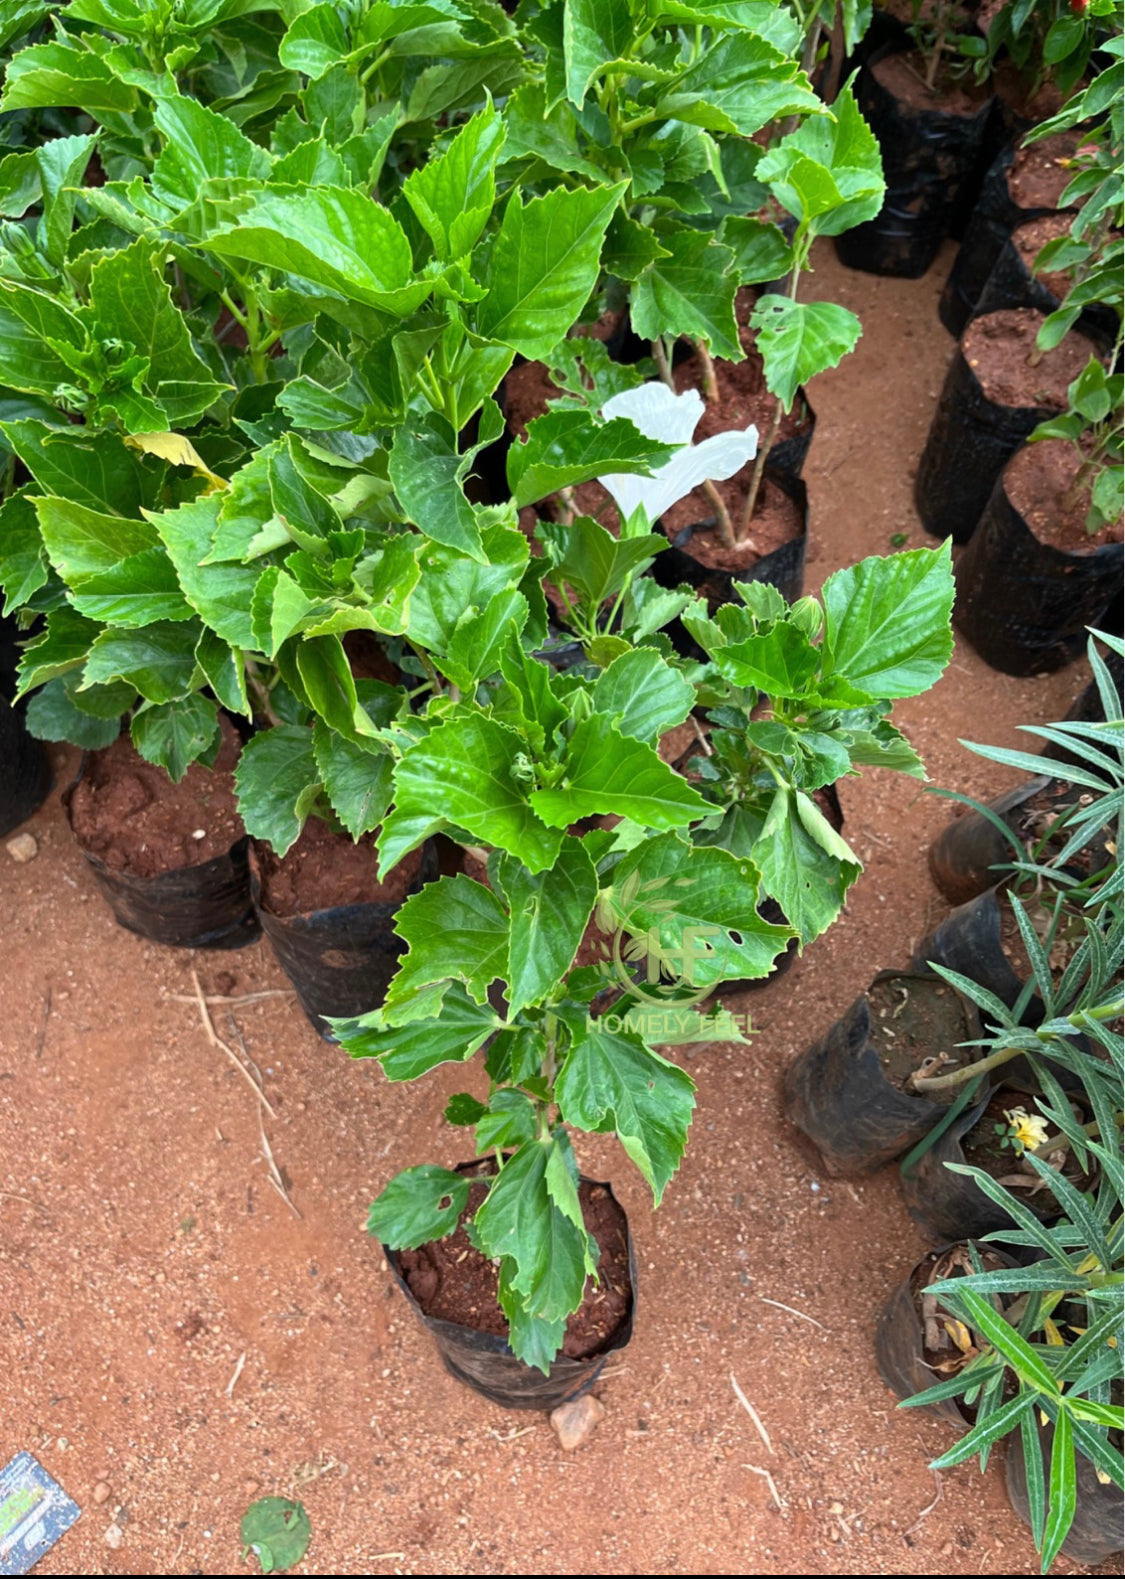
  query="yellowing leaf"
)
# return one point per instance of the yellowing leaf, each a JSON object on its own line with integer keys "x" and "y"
{"x": 1054, "y": 1336}
{"x": 177, "y": 450}
{"x": 958, "y": 1331}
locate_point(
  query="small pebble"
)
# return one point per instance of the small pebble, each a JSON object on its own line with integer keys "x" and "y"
{"x": 114, "y": 1536}
{"x": 575, "y": 1422}
{"x": 101, "y": 1491}
{"x": 22, "y": 848}
{"x": 200, "y": 833}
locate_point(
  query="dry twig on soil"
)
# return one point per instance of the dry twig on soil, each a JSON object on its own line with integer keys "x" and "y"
{"x": 216, "y": 1041}
{"x": 751, "y": 1411}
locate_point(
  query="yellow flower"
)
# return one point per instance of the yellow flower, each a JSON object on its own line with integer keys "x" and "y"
{"x": 1028, "y": 1129}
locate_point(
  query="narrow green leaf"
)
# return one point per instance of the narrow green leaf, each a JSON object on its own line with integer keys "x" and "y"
{"x": 1063, "y": 1490}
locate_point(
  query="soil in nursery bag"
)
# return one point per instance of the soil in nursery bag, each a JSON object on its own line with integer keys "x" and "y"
{"x": 453, "y": 1288}
{"x": 1032, "y": 579}
{"x": 330, "y": 920}
{"x": 1020, "y": 185}
{"x": 851, "y": 1093}
{"x": 932, "y": 144}
{"x": 952, "y": 1205}
{"x": 918, "y": 1342}
{"x": 170, "y": 858}
{"x": 1096, "y": 1533}
{"x": 997, "y": 389}
{"x": 1015, "y": 282}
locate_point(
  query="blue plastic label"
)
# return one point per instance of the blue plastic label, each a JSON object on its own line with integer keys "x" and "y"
{"x": 34, "y": 1512}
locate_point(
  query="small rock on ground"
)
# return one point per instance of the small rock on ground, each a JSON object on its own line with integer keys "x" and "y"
{"x": 575, "y": 1422}
{"x": 101, "y": 1491}
{"x": 23, "y": 848}
{"x": 114, "y": 1536}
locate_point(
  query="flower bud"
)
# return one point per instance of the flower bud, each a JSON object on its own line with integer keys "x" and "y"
{"x": 808, "y": 616}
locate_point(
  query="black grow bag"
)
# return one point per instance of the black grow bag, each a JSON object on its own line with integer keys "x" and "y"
{"x": 993, "y": 219}
{"x": 340, "y": 960}
{"x": 783, "y": 568}
{"x": 203, "y": 906}
{"x": 931, "y": 162}
{"x": 484, "y": 1361}
{"x": 25, "y": 772}
{"x": 971, "y": 440}
{"x": 970, "y": 941}
{"x": 900, "y": 1347}
{"x": 1011, "y": 284}
{"x": 838, "y": 1093}
{"x": 965, "y": 854}
{"x": 1096, "y": 1531}
{"x": 1023, "y": 604}
{"x": 950, "y": 1205}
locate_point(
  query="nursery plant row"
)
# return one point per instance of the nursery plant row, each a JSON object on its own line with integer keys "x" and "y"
{"x": 375, "y": 522}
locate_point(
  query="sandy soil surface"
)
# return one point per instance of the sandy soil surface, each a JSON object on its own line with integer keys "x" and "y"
{"x": 174, "y": 1329}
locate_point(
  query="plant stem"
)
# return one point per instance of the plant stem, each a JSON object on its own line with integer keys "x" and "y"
{"x": 756, "y": 476}
{"x": 960, "y": 1077}
{"x": 260, "y": 692}
{"x": 714, "y": 497}
{"x": 707, "y": 367}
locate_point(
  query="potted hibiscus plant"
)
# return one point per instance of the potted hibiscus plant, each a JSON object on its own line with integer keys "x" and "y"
{"x": 507, "y": 964}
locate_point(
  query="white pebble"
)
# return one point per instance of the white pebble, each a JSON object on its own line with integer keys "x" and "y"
{"x": 200, "y": 833}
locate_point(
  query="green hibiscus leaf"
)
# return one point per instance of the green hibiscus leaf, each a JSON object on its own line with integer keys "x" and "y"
{"x": 690, "y": 291}
{"x": 887, "y": 622}
{"x": 418, "y": 1206}
{"x": 175, "y": 734}
{"x": 542, "y": 266}
{"x": 607, "y": 772}
{"x": 277, "y": 782}
{"x": 455, "y": 928}
{"x": 798, "y": 340}
{"x": 467, "y": 773}
{"x": 415, "y": 1047}
{"x": 549, "y": 913}
{"x": 568, "y": 447}
{"x": 612, "y": 1082}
